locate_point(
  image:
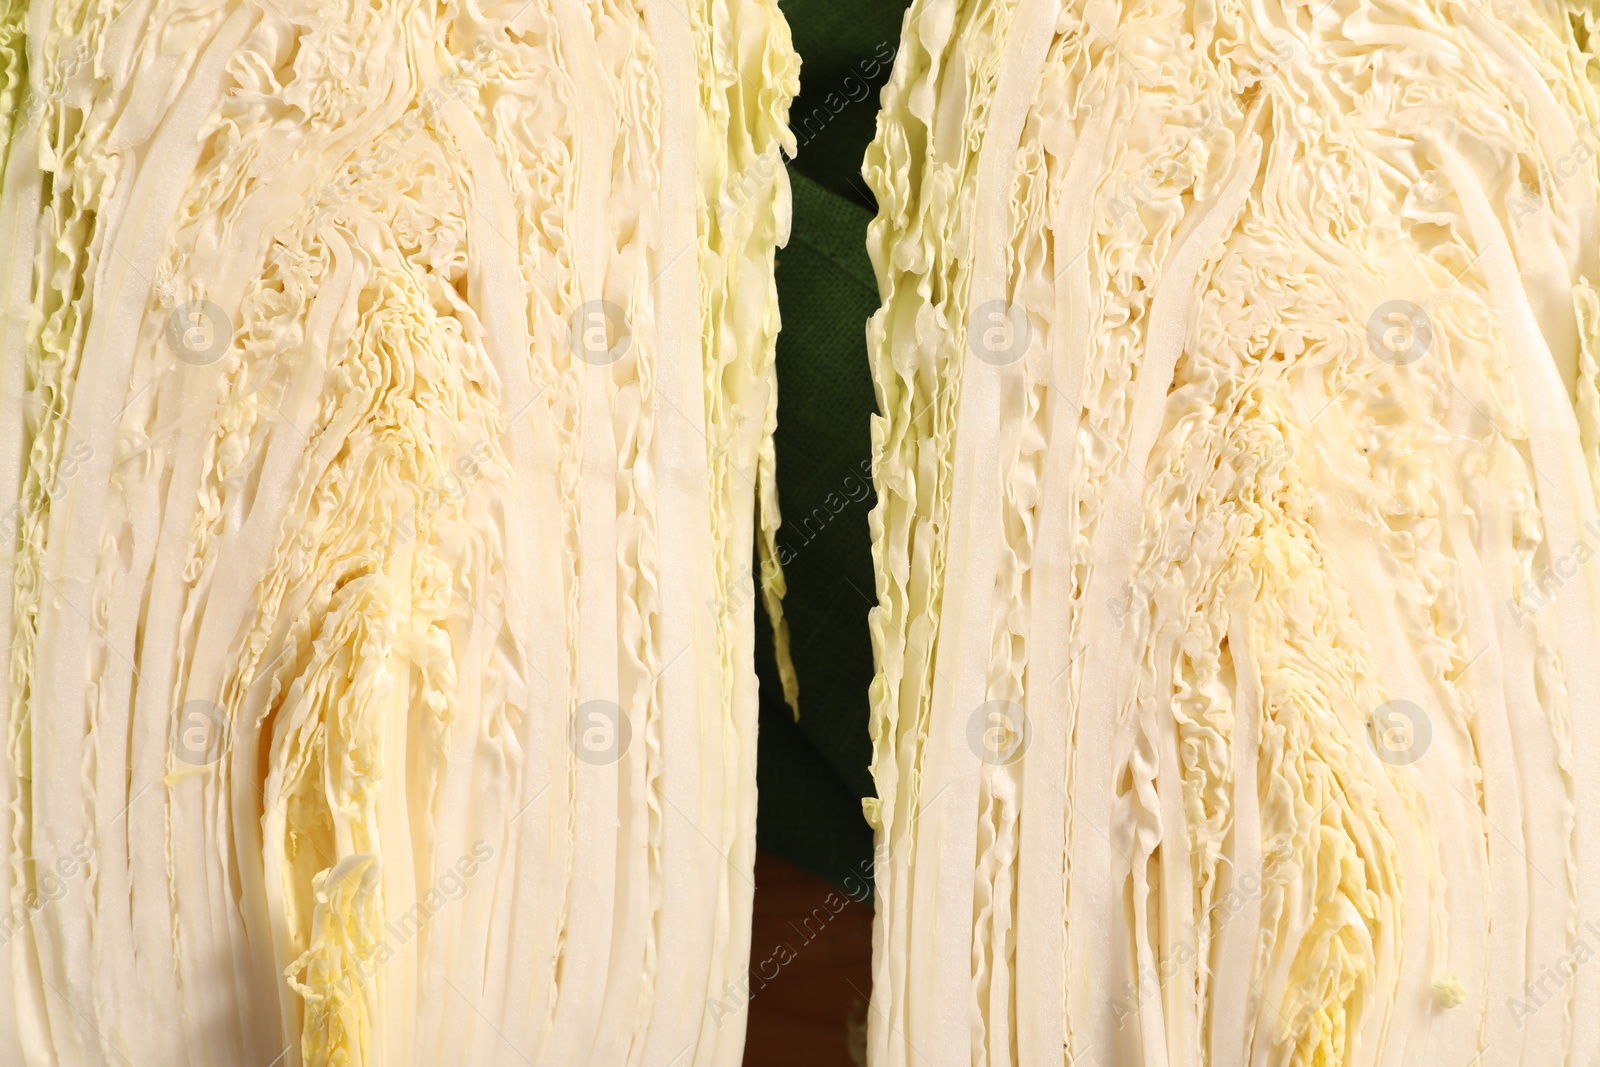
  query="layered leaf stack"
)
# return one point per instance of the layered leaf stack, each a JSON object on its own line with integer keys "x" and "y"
{"x": 385, "y": 397}
{"x": 1238, "y": 694}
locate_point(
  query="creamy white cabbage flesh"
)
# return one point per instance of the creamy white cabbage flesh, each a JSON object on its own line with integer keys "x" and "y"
{"x": 1238, "y": 564}
{"x": 386, "y": 392}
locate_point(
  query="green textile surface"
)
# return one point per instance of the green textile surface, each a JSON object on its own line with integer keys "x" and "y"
{"x": 813, "y": 773}
{"x": 846, "y": 50}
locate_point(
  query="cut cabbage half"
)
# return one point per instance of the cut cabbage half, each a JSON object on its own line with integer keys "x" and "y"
{"x": 1238, "y": 565}
{"x": 385, "y": 396}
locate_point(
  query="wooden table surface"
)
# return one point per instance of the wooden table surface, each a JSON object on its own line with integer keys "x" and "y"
{"x": 810, "y": 971}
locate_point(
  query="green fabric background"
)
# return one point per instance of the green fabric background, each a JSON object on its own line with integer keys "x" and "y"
{"x": 813, "y": 773}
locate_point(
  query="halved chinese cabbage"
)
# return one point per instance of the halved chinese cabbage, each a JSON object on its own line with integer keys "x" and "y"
{"x": 385, "y": 393}
{"x": 1238, "y": 694}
